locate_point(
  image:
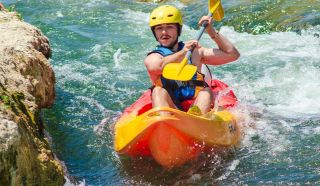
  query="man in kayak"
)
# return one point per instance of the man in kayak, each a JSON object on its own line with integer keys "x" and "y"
{"x": 166, "y": 25}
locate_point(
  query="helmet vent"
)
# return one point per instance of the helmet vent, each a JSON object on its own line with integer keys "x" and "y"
{"x": 154, "y": 18}
{"x": 170, "y": 15}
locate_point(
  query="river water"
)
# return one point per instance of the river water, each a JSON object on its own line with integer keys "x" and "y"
{"x": 98, "y": 51}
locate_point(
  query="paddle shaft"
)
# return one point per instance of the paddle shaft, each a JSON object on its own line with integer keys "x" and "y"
{"x": 200, "y": 32}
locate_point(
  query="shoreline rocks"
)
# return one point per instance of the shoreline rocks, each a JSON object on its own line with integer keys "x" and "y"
{"x": 26, "y": 86}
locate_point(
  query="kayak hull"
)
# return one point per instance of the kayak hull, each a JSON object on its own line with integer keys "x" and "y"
{"x": 173, "y": 137}
{"x": 176, "y": 138}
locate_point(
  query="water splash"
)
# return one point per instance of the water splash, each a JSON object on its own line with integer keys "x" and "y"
{"x": 230, "y": 168}
{"x": 117, "y": 58}
{"x": 224, "y": 92}
{"x": 59, "y": 14}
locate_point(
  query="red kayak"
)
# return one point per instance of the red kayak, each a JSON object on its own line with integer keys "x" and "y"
{"x": 173, "y": 140}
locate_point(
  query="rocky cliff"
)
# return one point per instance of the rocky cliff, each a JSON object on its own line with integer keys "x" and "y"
{"x": 26, "y": 86}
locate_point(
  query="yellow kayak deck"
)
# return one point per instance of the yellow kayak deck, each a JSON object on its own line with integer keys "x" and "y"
{"x": 173, "y": 137}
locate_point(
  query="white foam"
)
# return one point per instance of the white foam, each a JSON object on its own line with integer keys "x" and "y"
{"x": 178, "y": 4}
{"x": 68, "y": 72}
{"x": 96, "y": 3}
{"x": 59, "y": 14}
{"x": 317, "y": 130}
{"x": 92, "y": 102}
{"x": 229, "y": 170}
{"x": 117, "y": 58}
{"x": 285, "y": 73}
{"x": 140, "y": 18}
{"x": 74, "y": 183}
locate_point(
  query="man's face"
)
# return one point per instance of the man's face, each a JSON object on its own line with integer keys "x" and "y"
{"x": 166, "y": 34}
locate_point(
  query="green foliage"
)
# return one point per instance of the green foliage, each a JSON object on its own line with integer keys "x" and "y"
{"x": 12, "y": 8}
{"x": 262, "y": 17}
{"x": 5, "y": 99}
{"x": 15, "y": 103}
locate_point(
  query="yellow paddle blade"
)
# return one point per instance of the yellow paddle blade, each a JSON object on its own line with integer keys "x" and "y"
{"x": 215, "y": 6}
{"x": 171, "y": 71}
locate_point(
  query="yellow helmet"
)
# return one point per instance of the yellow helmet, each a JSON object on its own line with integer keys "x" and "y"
{"x": 165, "y": 14}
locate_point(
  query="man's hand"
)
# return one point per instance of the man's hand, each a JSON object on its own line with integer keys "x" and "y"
{"x": 209, "y": 28}
{"x": 192, "y": 44}
{"x": 205, "y": 18}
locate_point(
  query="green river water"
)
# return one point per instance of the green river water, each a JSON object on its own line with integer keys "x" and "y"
{"x": 98, "y": 51}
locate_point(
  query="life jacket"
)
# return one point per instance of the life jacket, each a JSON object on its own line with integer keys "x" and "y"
{"x": 179, "y": 90}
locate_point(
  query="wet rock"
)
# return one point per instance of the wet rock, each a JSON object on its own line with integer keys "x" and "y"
{"x": 26, "y": 86}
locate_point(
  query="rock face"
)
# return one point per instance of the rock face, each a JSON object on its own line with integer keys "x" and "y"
{"x": 26, "y": 86}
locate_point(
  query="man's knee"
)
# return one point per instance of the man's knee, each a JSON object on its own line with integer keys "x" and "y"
{"x": 205, "y": 94}
{"x": 158, "y": 92}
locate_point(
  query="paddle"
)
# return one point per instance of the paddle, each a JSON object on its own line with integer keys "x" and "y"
{"x": 183, "y": 71}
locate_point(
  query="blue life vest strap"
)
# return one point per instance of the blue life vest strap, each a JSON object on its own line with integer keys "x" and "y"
{"x": 164, "y": 51}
